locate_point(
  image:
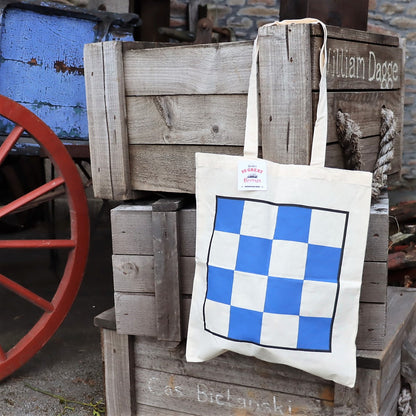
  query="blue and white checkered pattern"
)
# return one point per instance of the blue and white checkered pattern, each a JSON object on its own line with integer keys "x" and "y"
{"x": 273, "y": 274}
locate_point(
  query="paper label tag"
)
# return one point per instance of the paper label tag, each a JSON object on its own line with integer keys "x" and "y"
{"x": 252, "y": 175}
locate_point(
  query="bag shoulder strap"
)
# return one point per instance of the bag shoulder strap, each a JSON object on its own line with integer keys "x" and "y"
{"x": 321, "y": 125}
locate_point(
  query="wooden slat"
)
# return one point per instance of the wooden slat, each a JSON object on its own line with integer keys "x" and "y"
{"x": 209, "y": 120}
{"x": 116, "y": 120}
{"x": 286, "y": 103}
{"x": 174, "y": 165}
{"x": 364, "y": 107}
{"x": 119, "y": 375}
{"x": 358, "y": 66}
{"x": 134, "y": 273}
{"x": 202, "y": 397}
{"x": 337, "y": 32}
{"x": 371, "y": 326}
{"x": 374, "y": 284}
{"x": 219, "y": 119}
{"x": 136, "y": 314}
{"x": 378, "y": 231}
{"x": 166, "y": 271}
{"x": 232, "y": 367}
{"x": 369, "y": 148}
{"x": 198, "y": 69}
{"x": 97, "y": 114}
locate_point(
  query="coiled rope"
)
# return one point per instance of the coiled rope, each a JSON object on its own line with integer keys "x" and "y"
{"x": 349, "y": 134}
{"x": 403, "y": 404}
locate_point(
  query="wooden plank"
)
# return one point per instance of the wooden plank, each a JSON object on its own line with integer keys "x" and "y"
{"x": 106, "y": 319}
{"x": 337, "y": 32}
{"x": 136, "y": 314}
{"x": 358, "y": 66}
{"x": 218, "y": 119}
{"x": 371, "y": 326}
{"x": 131, "y": 229}
{"x": 118, "y": 373}
{"x": 364, "y": 107}
{"x": 378, "y": 231}
{"x": 202, "y": 397}
{"x": 116, "y": 120}
{"x": 175, "y": 166}
{"x": 222, "y": 68}
{"x": 132, "y": 234}
{"x": 369, "y": 148}
{"x": 134, "y": 273}
{"x": 97, "y": 128}
{"x": 143, "y": 410}
{"x": 374, "y": 284}
{"x": 210, "y": 119}
{"x": 363, "y": 399}
{"x": 166, "y": 273}
{"x": 389, "y": 405}
{"x": 249, "y": 371}
{"x": 286, "y": 102}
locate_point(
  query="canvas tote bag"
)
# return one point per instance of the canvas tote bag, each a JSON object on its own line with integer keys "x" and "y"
{"x": 279, "y": 253}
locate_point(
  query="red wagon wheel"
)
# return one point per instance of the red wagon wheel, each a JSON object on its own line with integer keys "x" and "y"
{"x": 49, "y": 309}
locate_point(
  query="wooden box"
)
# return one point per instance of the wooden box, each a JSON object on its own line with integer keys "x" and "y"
{"x": 41, "y": 60}
{"x": 151, "y": 109}
{"x": 352, "y": 14}
{"x": 144, "y": 378}
{"x": 153, "y": 269}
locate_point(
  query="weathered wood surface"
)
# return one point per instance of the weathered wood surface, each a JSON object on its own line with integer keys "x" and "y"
{"x": 209, "y": 84}
{"x": 167, "y": 385}
{"x": 286, "y": 102}
{"x": 166, "y": 269}
{"x": 110, "y": 165}
{"x": 383, "y": 375}
{"x": 135, "y": 274}
{"x": 118, "y": 353}
{"x": 136, "y": 315}
{"x": 132, "y": 234}
{"x": 222, "y": 68}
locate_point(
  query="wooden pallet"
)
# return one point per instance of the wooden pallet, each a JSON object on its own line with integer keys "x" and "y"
{"x": 186, "y": 99}
{"x": 153, "y": 269}
{"x": 143, "y": 377}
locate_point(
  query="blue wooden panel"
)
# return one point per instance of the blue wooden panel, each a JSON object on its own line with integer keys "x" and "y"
{"x": 41, "y": 67}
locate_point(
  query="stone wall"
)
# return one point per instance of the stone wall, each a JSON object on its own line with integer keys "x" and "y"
{"x": 393, "y": 17}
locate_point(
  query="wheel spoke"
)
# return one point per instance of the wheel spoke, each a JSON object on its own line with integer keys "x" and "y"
{"x": 10, "y": 141}
{"x": 47, "y": 243}
{"x": 26, "y": 294}
{"x": 31, "y": 196}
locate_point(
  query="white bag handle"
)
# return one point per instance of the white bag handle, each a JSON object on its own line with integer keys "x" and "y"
{"x": 251, "y": 139}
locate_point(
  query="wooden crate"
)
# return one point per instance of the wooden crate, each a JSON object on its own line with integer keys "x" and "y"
{"x": 186, "y": 99}
{"x": 143, "y": 377}
{"x": 153, "y": 269}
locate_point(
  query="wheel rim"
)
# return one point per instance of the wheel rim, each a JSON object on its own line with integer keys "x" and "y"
{"x": 53, "y": 310}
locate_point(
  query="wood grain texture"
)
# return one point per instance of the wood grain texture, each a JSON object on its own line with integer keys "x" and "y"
{"x": 358, "y": 66}
{"x": 337, "y": 32}
{"x": 97, "y": 129}
{"x": 286, "y": 103}
{"x": 210, "y": 119}
{"x": 222, "y": 68}
{"x": 118, "y": 373}
{"x": 202, "y": 397}
{"x": 136, "y": 314}
{"x": 371, "y": 326}
{"x": 166, "y": 275}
